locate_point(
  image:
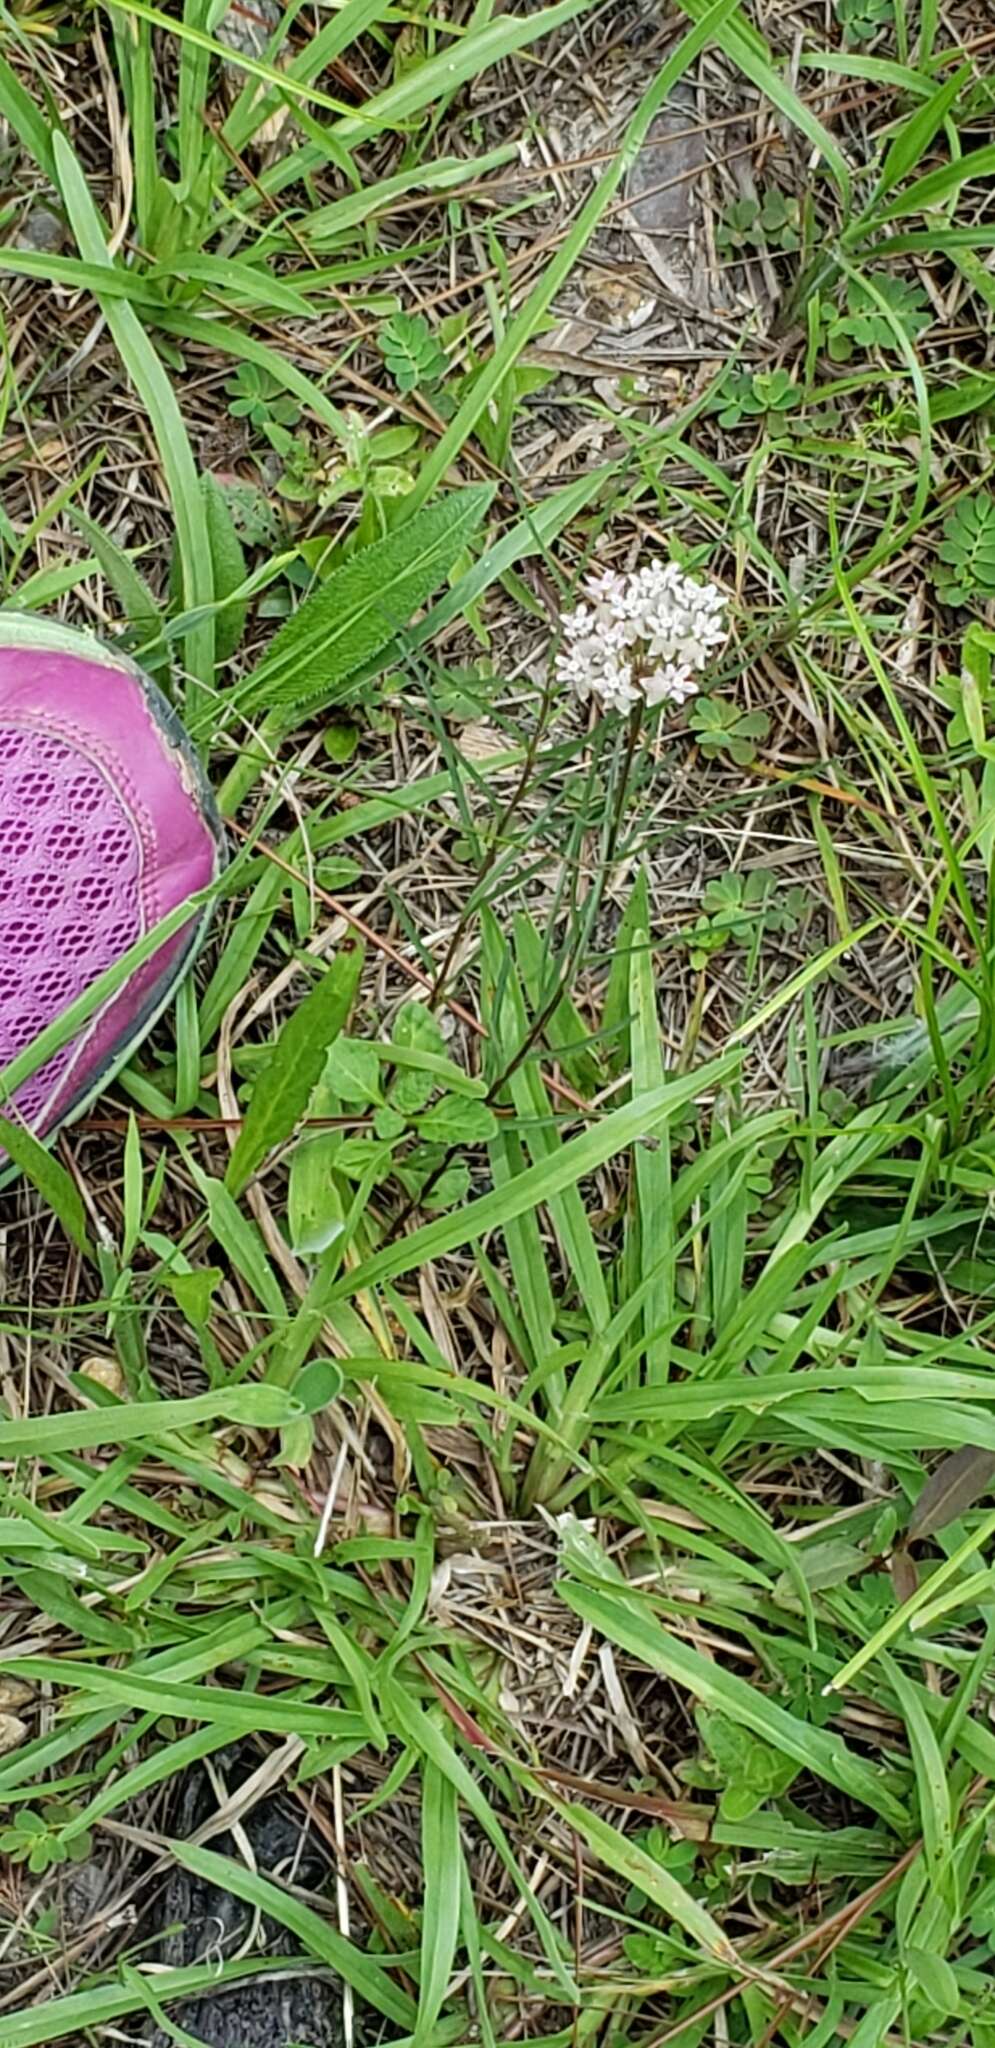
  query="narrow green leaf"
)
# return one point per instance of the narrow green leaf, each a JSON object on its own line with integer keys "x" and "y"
{"x": 130, "y": 588}
{"x": 240, "y": 1239}
{"x": 541, "y": 1181}
{"x": 229, "y": 570}
{"x": 635, "y": 1629}
{"x": 284, "y": 1088}
{"x": 436, "y": 77}
{"x": 49, "y": 1176}
{"x": 932, "y": 1779}
{"x": 746, "y": 48}
{"x": 156, "y": 392}
{"x": 522, "y": 328}
{"x": 421, "y": 1731}
{"x": 655, "y": 1226}
{"x": 638, "y": 1868}
{"x": 28, "y": 123}
{"x": 938, "y": 185}
{"x": 914, "y": 137}
{"x": 215, "y": 1705}
{"x": 88, "y": 2013}
{"x": 257, "y": 1407}
{"x": 315, "y": 1934}
{"x": 80, "y": 276}
{"x": 442, "y": 1864}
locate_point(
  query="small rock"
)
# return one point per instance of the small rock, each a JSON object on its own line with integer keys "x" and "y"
{"x": 43, "y": 231}
{"x": 198, "y": 1922}
{"x": 248, "y": 27}
{"x": 13, "y": 1731}
{"x": 665, "y": 206}
{"x": 14, "y": 1693}
{"x": 105, "y": 1372}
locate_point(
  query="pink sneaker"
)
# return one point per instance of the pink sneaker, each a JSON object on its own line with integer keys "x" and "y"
{"x": 106, "y": 824}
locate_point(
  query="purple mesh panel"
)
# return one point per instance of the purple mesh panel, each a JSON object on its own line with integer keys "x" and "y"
{"x": 70, "y": 892}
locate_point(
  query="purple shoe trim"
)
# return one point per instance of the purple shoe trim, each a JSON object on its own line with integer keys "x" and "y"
{"x": 106, "y": 825}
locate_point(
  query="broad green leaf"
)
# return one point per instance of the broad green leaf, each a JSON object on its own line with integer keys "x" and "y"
{"x": 194, "y": 1291}
{"x": 354, "y": 1071}
{"x": 285, "y": 1085}
{"x": 935, "y": 1978}
{"x": 314, "y": 1206}
{"x": 363, "y": 604}
{"x": 79, "y": 276}
{"x": 457, "y": 1121}
{"x": 417, "y": 1029}
{"x": 318, "y": 1385}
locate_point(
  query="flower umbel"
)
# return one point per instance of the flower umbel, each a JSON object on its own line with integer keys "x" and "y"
{"x": 642, "y": 636}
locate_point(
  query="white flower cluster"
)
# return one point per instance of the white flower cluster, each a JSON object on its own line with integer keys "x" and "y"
{"x": 647, "y": 635}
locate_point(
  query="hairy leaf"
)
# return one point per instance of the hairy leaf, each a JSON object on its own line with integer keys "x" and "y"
{"x": 364, "y": 603}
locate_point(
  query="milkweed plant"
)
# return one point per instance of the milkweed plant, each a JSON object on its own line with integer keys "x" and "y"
{"x": 641, "y": 638}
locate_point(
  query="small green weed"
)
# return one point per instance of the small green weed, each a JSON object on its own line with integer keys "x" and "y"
{"x": 736, "y": 906}
{"x": 772, "y": 221}
{"x": 36, "y": 1838}
{"x": 862, "y": 20}
{"x": 770, "y": 395}
{"x": 412, "y": 353}
{"x": 966, "y": 552}
{"x": 861, "y": 326}
{"x": 720, "y": 727}
{"x": 420, "y": 1106}
{"x": 255, "y": 395}
{"x": 745, "y": 1771}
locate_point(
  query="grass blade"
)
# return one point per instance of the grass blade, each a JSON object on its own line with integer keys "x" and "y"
{"x": 442, "y": 1863}
{"x": 541, "y": 1181}
{"x": 154, "y": 388}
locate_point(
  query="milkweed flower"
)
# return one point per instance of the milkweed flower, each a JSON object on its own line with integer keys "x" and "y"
{"x": 645, "y": 636}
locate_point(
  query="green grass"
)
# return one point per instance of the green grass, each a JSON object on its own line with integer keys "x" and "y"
{"x": 544, "y": 1273}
